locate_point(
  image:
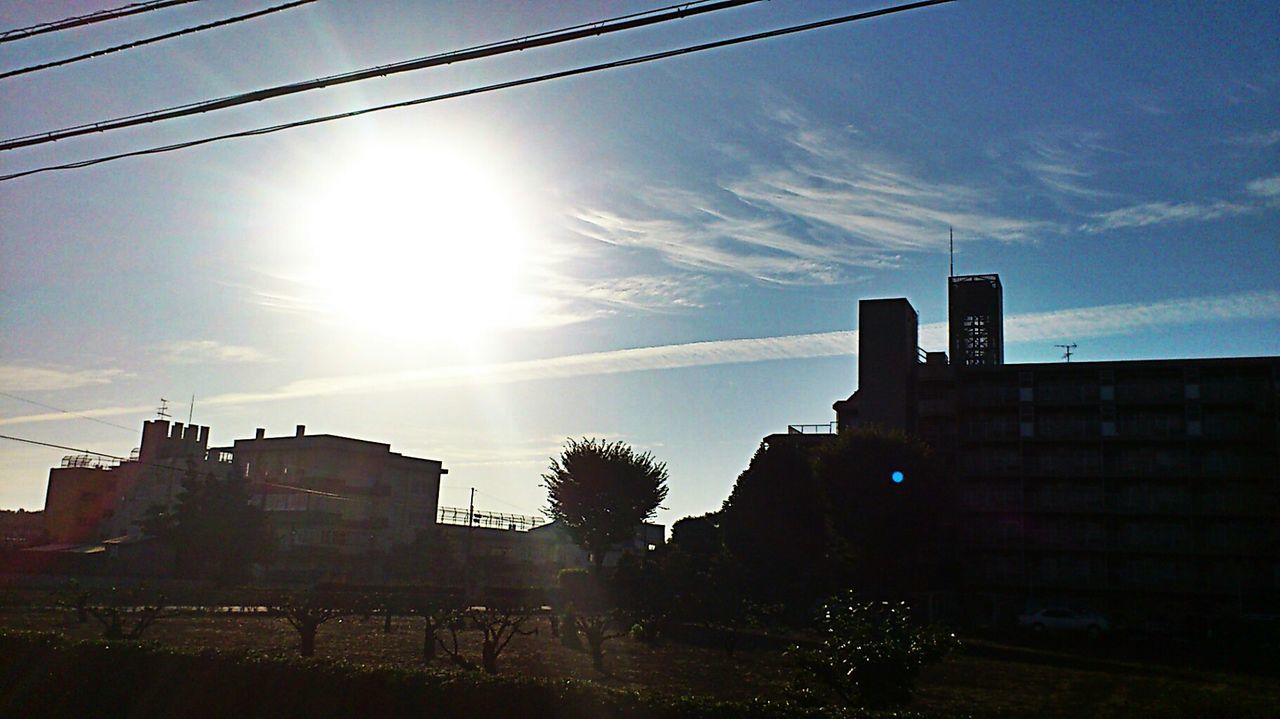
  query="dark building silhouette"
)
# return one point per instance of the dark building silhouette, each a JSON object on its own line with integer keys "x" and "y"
{"x": 1146, "y": 488}
{"x": 888, "y": 337}
{"x": 975, "y": 320}
{"x": 333, "y": 502}
{"x": 91, "y": 498}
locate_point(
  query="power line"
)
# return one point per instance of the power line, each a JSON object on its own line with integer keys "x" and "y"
{"x": 91, "y": 18}
{"x": 157, "y": 38}
{"x": 485, "y": 88}
{"x": 67, "y": 411}
{"x": 76, "y": 449}
{"x": 577, "y": 32}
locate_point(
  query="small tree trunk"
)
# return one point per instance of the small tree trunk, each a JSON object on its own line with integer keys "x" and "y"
{"x": 114, "y": 630}
{"x": 307, "y": 646}
{"x": 489, "y": 657}
{"x": 429, "y": 643}
{"x": 597, "y": 654}
{"x": 595, "y": 645}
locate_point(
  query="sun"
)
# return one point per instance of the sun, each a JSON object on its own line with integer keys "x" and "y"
{"x": 415, "y": 240}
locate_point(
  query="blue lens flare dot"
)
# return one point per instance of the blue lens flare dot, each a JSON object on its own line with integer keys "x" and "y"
{"x": 897, "y": 477}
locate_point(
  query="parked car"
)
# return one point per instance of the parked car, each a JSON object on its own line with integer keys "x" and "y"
{"x": 1061, "y": 619}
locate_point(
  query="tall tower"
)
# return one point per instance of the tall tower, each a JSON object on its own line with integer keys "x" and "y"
{"x": 975, "y": 309}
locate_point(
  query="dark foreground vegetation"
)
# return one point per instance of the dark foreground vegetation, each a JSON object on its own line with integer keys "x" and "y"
{"x": 246, "y": 665}
{"x": 43, "y": 675}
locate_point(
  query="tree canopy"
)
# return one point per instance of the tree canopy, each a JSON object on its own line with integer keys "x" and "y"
{"x": 215, "y": 531}
{"x": 601, "y": 491}
{"x": 868, "y": 508}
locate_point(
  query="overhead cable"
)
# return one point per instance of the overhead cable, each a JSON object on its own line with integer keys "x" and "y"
{"x": 157, "y": 38}
{"x": 91, "y": 18}
{"x": 67, "y": 411}
{"x": 577, "y": 32}
{"x": 488, "y": 88}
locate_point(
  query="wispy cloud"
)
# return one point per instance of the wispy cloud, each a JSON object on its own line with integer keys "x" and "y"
{"x": 20, "y": 377}
{"x": 831, "y": 204}
{"x": 208, "y": 351}
{"x": 650, "y": 293}
{"x": 1061, "y": 160}
{"x": 1107, "y": 320}
{"x": 1265, "y": 186}
{"x": 1259, "y": 139}
{"x": 1158, "y": 213}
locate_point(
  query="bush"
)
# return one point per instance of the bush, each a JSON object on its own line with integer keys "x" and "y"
{"x": 43, "y": 676}
{"x": 870, "y": 653}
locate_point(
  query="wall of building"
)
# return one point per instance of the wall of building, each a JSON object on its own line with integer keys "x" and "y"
{"x": 329, "y": 496}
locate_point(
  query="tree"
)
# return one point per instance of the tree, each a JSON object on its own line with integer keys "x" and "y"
{"x": 590, "y": 612}
{"x": 601, "y": 491}
{"x": 215, "y": 532}
{"x": 499, "y": 626}
{"x": 125, "y": 615}
{"x": 870, "y": 653}
{"x": 774, "y": 523}
{"x": 889, "y": 504}
{"x": 306, "y": 613}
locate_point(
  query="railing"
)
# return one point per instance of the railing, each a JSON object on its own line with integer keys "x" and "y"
{"x": 828, "y": 428}
{"x": 89, "y": 461}
{"x": 493, "y": 520}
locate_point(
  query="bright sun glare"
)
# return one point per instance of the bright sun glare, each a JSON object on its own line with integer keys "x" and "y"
{"x": 416, "y": 241}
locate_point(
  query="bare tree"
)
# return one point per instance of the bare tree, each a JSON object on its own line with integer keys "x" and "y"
{"x": 125, "y": 616}
{"x": 306, "y": 614}
{"x": 499, "y": 626}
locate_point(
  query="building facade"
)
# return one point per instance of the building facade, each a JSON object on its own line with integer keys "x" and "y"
{"x": 332, "y": 502}
{"x": 1149, "y": 489}
{"x": 91, "y": 498}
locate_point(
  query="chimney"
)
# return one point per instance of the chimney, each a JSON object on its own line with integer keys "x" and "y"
{"x": 203, "y": 441}
{"x": 259, "y": 433}
{"x": 302, "y": 430}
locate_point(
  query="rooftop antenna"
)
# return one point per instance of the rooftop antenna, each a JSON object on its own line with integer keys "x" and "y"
{"x": 1066, "y": 353}
{"x": 163, "y": 410}
{"x": 951, "y": 244}
{"x": 191, "y": 411}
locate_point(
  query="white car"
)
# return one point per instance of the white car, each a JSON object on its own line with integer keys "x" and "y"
{"x": 1060, "y": 619}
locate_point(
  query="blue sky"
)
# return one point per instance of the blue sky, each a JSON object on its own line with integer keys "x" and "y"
{"x": 669, "y": 254}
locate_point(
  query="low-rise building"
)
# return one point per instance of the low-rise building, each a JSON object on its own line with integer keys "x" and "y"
{"x": 332, "y": 502}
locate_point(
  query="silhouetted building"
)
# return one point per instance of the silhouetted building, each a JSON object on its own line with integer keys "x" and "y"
{"x": 479, "y": 560}
{"x": 334, "y": 502}
{"x": 1146, "y": 488}
{"x": 975, "y": 320}
{"x": 888, "y": 337}
{"x": 91, "y": 498}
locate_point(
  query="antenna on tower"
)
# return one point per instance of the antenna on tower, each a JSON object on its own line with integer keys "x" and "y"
{"x": 191, "y": 411}
{"x": 1066, "y": 350}
{"x": 951, "y": 245}
{"x": 163, "y": 410}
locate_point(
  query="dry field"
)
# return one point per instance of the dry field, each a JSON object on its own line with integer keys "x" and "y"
{"x": 986, "y": 678}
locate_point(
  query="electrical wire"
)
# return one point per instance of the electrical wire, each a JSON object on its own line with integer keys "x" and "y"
{"x": 67, "y": 411}
{"x": 91, "y": 453}
{"x": 157, "y": 38}
{"x": 577, "y": 32}
{"x": 91, "y": 18}
{"x": 486, "y": 88}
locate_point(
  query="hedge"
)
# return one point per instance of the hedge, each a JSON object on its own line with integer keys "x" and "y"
{"x": 44, "y": 675}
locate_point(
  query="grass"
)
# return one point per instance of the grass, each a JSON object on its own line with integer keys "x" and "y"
{"x": 992, "y": 677}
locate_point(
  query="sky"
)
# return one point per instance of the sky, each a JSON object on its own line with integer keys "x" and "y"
{"x": 667, "y": 254}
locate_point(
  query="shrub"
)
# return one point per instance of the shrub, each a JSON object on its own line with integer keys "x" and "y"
{"x": 870, "y": 653}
